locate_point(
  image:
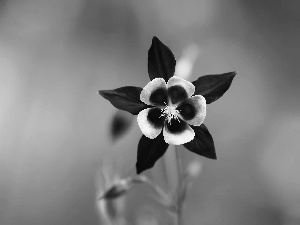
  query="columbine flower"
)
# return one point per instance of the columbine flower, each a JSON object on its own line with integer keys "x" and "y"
{"x": 173, "y": 110}
{"x": 170, "y": 109}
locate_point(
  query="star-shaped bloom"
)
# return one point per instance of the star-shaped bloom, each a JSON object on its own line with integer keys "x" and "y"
{"x": 170, "y": 109}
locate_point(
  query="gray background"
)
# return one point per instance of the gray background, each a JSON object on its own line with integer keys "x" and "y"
{"x": 54, "y": 57}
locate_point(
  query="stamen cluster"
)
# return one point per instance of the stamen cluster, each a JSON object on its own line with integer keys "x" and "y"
{"x": 170, "y": 112}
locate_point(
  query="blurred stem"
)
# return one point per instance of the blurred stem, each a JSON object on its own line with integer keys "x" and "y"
{"x": 165, "y": 173}
{"x": 155, "y": 187}
{"x": 179, "y": 185}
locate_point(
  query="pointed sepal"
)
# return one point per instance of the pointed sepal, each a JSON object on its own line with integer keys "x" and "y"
{"x": 212, "y": 87}
{"x": 125, "y": 98}
{"x": 161, "y": 61}
{"x": 203, "y": 143}
{"x": 149, "y": 151}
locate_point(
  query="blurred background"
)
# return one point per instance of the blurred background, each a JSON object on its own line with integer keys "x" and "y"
{"x": 55, "y": 129}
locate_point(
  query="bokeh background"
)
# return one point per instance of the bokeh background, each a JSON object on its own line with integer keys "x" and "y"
{"x": 55, "y": 129}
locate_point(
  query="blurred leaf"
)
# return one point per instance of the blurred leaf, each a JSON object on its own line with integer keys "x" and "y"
{"x": 120, "y": 188}
{"x": 203, "y": 143}
{"x": 161, "y": 61}
{"x": 149, "y": 151}
{"x": 120, "y": 124}
{"x": 212, "y": 87}
{"x": 125, "y": 98}
{"x": 115, "y": 192}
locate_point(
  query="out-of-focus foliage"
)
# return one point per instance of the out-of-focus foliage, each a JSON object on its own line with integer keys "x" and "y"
{"x": 121, "y": 122}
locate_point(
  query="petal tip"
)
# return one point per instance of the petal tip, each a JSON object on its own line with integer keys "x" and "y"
{"x": 212, "y": 156}
{"x": 154, "y": 38}
{"x": 138, "y": 169}
{"x": 101, "y": 92}
{"x": 231, "y": 74}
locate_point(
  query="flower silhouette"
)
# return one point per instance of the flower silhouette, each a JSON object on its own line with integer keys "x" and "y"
{"x": 170, "y": 109}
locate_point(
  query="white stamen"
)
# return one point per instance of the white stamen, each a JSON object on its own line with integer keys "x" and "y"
{"x": 170, "y": 112}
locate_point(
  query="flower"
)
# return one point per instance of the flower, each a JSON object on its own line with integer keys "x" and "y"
{"x": 170, "y": 109}
{"x": 174, "y": 108}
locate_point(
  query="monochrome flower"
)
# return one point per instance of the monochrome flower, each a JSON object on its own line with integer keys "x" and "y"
{"x": 170, "y": 109}
{"x": 174, "y": 109}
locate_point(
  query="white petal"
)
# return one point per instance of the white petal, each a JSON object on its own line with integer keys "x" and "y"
{"x": 150, "y": 88}
{"x": 188, "y": 86}
{"x": 147, "y": 128}
{"x": 199, "y": 102}
{"x": 183, "y": 137}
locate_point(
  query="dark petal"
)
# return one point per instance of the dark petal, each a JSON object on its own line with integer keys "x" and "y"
{"x": 203, "y": 143}
{"x": 212, "y": 87}
{"x": 177, "y": 93}
{"x": 149, "y": 151}
{"x": 176, "y": 126}
{"x": 120, "y": 124}
{"x": 125, "y": 98}
{"x": 187, "y": 110}
{"x": 161, "y": 61}
{"x": 159, "y": 97}
{"x": 154, "y": 116}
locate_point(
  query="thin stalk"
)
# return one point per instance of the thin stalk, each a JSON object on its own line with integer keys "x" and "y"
{"x": 179, "y": 185}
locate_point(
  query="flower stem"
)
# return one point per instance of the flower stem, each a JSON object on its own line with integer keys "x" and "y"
{"x": 179, "y": 185}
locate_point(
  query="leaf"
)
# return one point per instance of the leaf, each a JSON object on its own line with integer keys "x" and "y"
{"x": 125, "y": 98}
{"x": 114, "y": 192}
{"x": 161, "y": 61}
{"x": 120, "y": 188}
{"x": 149, "y": 151}
{"x": 120, "y": 124}
{"x": 203, "y": 143}
{"x": 212, "y": 87}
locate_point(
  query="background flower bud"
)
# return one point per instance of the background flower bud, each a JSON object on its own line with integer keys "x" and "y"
{"x": 194, "y": 168}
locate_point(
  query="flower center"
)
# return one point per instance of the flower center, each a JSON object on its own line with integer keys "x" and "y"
{"x": 170, "y": 112}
